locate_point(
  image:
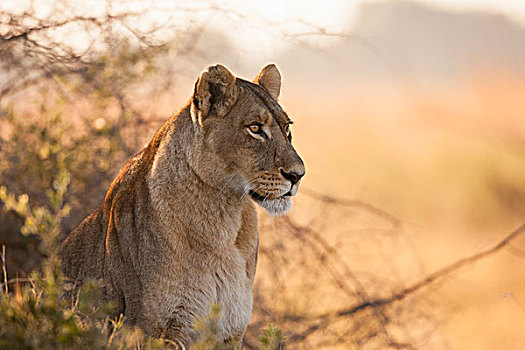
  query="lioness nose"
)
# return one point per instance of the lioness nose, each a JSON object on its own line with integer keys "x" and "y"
{"x": 292, "y": 176}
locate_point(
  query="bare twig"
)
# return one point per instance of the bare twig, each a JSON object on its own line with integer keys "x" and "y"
{"x": 324, "y": 320}
{"x": 434, "y": 276}
{"x": 329, "y": 199}
{"x": 4, "y": 270}
{"x": 16, "y": 280}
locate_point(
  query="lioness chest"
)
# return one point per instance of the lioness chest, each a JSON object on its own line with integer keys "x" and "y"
{"x": 185, "y": 291}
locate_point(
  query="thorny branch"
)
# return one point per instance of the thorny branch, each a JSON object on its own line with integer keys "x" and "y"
{"x": 20, "y": 31}
{"x": 429, "y": 279}
{"x": 329, "y": 199}
{"x": 377, "y": 305}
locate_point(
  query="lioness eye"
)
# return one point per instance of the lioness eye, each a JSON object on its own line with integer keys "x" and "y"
{"x": 255, "y": 128}
{"x": 288, "y": 132}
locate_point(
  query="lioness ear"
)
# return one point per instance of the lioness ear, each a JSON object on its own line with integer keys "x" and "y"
{"x": 214, "y": 93}
{"x": 270, "y": 78}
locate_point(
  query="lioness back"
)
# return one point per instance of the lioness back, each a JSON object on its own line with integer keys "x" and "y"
{"x": 177, "y": 230}
{"x": 83, "y": 251}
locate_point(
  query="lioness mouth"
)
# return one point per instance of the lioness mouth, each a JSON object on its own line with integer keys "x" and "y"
{"x": 256, "y": 196}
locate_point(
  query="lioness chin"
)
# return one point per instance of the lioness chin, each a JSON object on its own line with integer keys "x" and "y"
{"x": 177, "y": 230}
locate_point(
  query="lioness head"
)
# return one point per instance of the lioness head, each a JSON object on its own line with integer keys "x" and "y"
{"x": 243, "y": 141}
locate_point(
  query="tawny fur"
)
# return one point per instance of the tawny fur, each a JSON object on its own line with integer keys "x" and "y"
{"x": 177, "y": 230}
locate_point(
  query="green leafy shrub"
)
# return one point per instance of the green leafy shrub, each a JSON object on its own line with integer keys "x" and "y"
{"x": 35, "y": 315}
{"x": 271, "y": 338}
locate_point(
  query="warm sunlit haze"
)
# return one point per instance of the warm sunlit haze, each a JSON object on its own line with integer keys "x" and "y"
{"x": 412, "y": 110}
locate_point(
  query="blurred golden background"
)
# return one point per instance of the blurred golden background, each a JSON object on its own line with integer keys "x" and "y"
{"x": 409, "y": 115}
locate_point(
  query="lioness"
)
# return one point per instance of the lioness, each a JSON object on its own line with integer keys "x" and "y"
{"x": 177, "y": 230}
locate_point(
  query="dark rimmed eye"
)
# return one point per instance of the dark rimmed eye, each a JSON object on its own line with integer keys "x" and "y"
{"x": 288, "y": 131}
{"x": 255, "y": 128}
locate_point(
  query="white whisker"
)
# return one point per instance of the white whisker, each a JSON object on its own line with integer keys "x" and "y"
{"x": 247, "y": 188}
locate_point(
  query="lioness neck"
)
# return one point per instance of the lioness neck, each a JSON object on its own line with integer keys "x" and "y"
{"x": 210, "y": 216}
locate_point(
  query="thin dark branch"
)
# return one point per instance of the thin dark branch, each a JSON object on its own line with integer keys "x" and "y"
{"x": 329, "y": 199}
{"x": 433, "y": 277}
{"x": 43, "y": 26}
{"x": 325, "y": 320}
